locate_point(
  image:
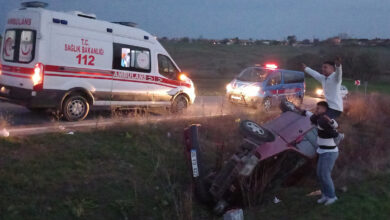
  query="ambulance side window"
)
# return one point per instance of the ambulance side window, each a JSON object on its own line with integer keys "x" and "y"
{"x": 131, "y": 58}
{"x": 166, "y": 67}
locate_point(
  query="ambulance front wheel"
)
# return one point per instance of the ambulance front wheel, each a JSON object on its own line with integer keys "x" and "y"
{"x": 180, "y": 103}
{"x": 75, "y": 107}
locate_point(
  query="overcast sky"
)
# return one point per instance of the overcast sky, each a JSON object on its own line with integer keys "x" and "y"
{"x": 257, "y": 19}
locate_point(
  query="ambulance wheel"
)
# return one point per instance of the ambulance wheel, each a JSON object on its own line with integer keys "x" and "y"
{"x": 179, "y": 104}
{"x": 75, "y": 107}
{"x": 256, "y": 132}
{"x": 267, "y": 104}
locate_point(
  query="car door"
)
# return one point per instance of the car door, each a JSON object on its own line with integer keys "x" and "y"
{"x": 292, "y": 86}
{"x": 274, "y": 85}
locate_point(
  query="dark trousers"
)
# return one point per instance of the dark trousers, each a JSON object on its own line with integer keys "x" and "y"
{"x": 333, "y": 114}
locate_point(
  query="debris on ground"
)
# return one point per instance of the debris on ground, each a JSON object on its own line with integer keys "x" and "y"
{"x": 315, "y": 193}
{"x": 70, "y": 132}
{"x": 276, "y": 200}
{"x": 234, "y": 214}
{"x": 344, "y": 189}
{"x": 4, "y": 133}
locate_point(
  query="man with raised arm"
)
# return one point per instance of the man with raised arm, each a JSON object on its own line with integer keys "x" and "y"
{"x": 330, "y": 79}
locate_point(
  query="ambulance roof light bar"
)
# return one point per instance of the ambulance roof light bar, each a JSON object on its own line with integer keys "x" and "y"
{"x": 125, "y": 23}
{"x": 34, "y": 4}
{"x": 81, "y": 14}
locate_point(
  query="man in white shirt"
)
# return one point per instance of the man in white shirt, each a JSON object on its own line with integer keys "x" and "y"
{"x": 330, "y": 79}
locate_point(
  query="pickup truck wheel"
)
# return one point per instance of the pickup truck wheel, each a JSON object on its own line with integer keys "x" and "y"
{"x": 179, "y": 104}
{"x": 257, "y": 132}
{"x": 75, "y": 107}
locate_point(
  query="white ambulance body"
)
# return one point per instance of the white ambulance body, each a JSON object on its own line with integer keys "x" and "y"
{"x": 71, "y": 61}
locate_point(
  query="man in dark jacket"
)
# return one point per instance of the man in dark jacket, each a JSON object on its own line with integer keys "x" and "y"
{"x": 327, "y": 150}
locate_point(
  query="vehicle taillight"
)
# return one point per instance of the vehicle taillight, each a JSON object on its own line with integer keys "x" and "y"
{"x": 1, "y": 69}
{"x": 37, "y": 77}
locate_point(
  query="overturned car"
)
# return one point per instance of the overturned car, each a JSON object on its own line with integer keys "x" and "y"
{"x": 268, "y": 155}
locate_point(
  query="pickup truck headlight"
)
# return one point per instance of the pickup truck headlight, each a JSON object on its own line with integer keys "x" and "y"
{"x": 229, "y": 87}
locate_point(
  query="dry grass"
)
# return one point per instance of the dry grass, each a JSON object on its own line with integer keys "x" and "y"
{"x": 366, "y": 124}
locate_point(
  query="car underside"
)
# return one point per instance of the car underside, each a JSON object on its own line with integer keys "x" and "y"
{"x": 268, "y": 155}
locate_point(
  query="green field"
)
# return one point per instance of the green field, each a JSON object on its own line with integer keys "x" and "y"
{"x": 139, "y": 171}
{"x": 213, "y": 66}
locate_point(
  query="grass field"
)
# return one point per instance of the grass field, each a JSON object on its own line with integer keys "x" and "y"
{"x": 213, "y": 66}
{"x": 368, "y": 199}
{"x": 140, "y": 172}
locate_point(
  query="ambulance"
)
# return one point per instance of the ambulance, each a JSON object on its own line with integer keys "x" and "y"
{"x": 71, "y": 62}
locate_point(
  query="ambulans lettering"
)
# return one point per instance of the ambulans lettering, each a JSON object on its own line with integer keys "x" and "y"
{"x": 19, "y": 21}
{"x": 129, "y": 76}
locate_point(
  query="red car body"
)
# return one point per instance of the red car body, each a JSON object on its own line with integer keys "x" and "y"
{"x": 280, "y": 145}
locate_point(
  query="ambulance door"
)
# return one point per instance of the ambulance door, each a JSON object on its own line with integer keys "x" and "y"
{"x": 132, "y": 67}
{"x": 168, "y": 74}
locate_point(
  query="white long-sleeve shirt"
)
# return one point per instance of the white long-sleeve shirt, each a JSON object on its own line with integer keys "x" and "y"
{"x": 331, "y": 86}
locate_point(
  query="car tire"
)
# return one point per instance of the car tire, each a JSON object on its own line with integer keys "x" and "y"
{"x": 266, "y": 104}
{"x": 256, "y": 132}
{"x": 286, "y": 106}
{"x": 179, "y": 104}
{"x": 75, "y": 107}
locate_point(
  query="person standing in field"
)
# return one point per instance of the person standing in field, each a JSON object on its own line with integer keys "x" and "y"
{"x": 327, "y": 150}
{"x": 330, "y": 79}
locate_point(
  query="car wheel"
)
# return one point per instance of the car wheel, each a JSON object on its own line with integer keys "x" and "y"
{"x": 75, "y": 107}
{"x": 267, "y": 104}
{"x": 179, "y": 104}
{"x": 286, "y": 105}
{"x": 255, "y": 131}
